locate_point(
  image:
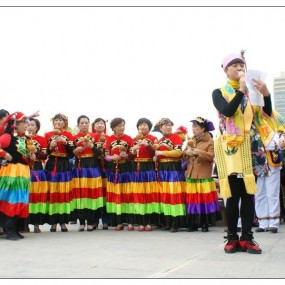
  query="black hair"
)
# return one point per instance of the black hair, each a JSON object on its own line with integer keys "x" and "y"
{"x": 9, "y": 128}
{"x": 38, "y": 124}
{"x": 156, "y": 129}
{"x": 82, "y": 117}
{"x": 202, "y": 125}
{"x": 99, "y": 120}
{"x": 3, "y": 113}
{"x": 146, "y": 121}
{"x": 115, "y": 122}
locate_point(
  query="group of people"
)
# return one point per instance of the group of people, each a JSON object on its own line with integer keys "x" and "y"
{"x": 148, "y": 180}
{"x": 91, "y": 175}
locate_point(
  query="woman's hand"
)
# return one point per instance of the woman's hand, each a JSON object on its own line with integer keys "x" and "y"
{"x": 135, "y": 148}
{"x": 115, "y": 157}
{"x": 123, "y": 154}
{"x": 261, "y": 87}
{"x": 88, "y": 144}
{"x": 78, "y": 150}
{"x": 61, "y": 139}
{"x": 143, "y": 142}
{"x": 158, "y": 153}
{"x": 53, "y": 144}
{"x": 192, "y": 152}
{"x": 8, "y": 157}
{"x": 33, "y": 156}
{"x": 242, "y": 83}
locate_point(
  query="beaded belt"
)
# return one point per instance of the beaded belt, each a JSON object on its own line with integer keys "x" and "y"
{"x": 169, "y": 160}
{"x": 85, "y": 155}
{"x": 143, "y": 159}
{"x": 58, "y": 154}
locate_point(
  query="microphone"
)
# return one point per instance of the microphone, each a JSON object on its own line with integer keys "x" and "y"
{"x": 240, "y": 73}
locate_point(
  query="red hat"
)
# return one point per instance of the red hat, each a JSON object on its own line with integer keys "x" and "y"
{"x": 182, "y": 129}
{"x": 13, "y": 118}
{"x": 18, "y": 116}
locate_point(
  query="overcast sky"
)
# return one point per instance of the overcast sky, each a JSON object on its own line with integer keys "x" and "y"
{"x": 130, "y": 62}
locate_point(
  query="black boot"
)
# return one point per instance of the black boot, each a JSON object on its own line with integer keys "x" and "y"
{"x": 20, "y": 235}
{"x": 174, "y": 227}
{"x": 192, "y": 228}
{"x": 11, "y": 234}
{"x": 21, "y": 225}
{"x": 11, "y": 228}
{"x": 205, "y": 228}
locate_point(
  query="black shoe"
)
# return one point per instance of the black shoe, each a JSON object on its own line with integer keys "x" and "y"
{"x": 95, "y": 226}
{"x": 260, "y": 230}
{"x": 273, "y": 230}
{"x": 192, "y": 228}
{"x": 12, "y": 236}
{"x": 37, "y": 229}
{"x": 90, "y": 228}
{"x": 173, "y": 230}
{"x": 53, "y": 228}
{"x": 63, "y": 228}
{"x": 81, "y": 228}
{"x": 20, "y": 236}
{"x": 205, "y": 229}
{"x": 105, "y": 227}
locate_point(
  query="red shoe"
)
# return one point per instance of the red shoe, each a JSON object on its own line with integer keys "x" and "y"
{"x": 131, "y": 228}
{"x": 118, "y": 228}
{"x": 141, "y": 228}
{"x": 233, "y": 243}
{"x": 231, "y": 246}
{"x": 249, "y": 246}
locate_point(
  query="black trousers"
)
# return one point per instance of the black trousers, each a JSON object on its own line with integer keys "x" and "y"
{"x": 246, "y": 211}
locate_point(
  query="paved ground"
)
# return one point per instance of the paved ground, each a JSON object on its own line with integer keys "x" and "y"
{"x": 157, "y": 254}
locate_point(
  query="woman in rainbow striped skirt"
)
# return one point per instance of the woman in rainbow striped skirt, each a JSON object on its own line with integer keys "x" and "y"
{"x": 87, "y": 191}
{"x": 58, "y": 171}
{"x": 100, "y": 129}
{"x": 201, "y": 195}
{"x": 119, "y": 196}
{"x": 15, "y": 175}
{"x": 144, "y": 184}
{"x": 39, "y": 185}
{"x": 170, "y": 177}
